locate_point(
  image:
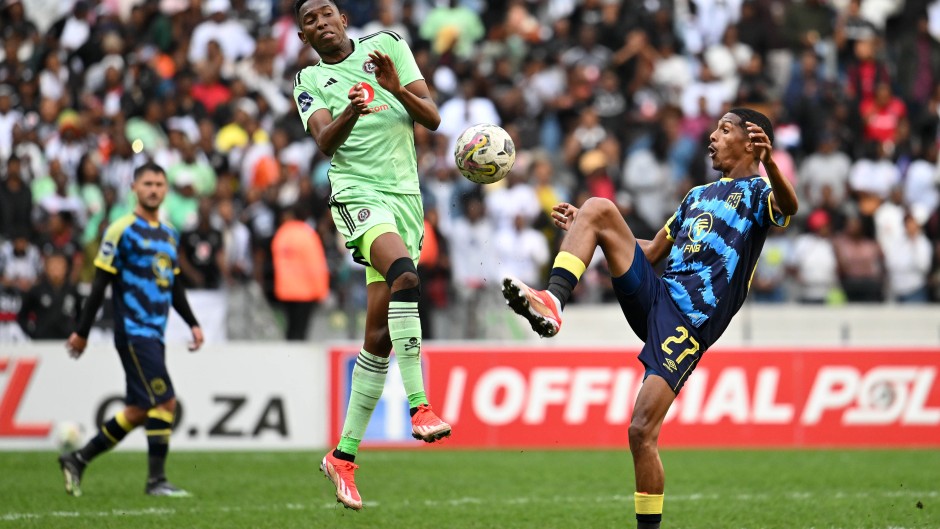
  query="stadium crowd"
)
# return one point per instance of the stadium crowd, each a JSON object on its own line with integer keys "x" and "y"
{"x": 603, "y": 98}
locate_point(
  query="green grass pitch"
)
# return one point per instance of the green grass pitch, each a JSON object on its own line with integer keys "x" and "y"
{"x": 721, "y": 489}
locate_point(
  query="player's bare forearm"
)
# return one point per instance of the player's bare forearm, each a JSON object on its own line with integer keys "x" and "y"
{"x": 784, "y": 194}
{"x": 331, "y": 133}
{"x": 656, "y": 249}
{"x": 783, "y": 198}
{"x": 421, "y": 108}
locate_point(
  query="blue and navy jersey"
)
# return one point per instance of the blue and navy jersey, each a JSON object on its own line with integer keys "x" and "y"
{"x": 718, "y": 232}
{"x": 143, "y": 258}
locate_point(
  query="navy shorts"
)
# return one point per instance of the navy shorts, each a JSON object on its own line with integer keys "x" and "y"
{"x": 148, "y": 382}
{"x": 672, "y": 348}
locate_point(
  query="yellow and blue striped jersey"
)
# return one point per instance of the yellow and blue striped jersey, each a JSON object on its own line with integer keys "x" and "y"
{"x": 718, "y": 232}
{"x": 143, "y": 258}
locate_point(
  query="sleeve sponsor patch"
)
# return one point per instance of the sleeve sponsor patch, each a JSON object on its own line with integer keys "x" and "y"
{"x": 304, "y": 100}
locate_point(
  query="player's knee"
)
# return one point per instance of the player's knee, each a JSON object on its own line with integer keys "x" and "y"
{"x": 402, "y": 279}
{"x": 641, "y": 434}
{"x": 378, "y": 341}
{"x": 598, "y": 210}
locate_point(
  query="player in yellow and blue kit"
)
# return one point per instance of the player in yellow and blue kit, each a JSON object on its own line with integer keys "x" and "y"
{"x": 138, "y": 258}
{"x": 711, "y": 246}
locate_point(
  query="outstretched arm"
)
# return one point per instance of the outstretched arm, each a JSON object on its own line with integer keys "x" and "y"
{"x": 783, "y": 199}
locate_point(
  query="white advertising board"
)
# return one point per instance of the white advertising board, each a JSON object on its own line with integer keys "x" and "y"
{"x": 231, "y": 396}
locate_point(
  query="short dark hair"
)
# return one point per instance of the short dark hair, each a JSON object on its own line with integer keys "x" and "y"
{"x": 755, "y": 117}
{"x": 300, "y": 3}
{"x": 149, "y": 166}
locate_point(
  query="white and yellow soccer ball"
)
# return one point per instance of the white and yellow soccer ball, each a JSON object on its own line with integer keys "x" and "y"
{"x": 68, "y": 436}
{"x": 484, "y": 153}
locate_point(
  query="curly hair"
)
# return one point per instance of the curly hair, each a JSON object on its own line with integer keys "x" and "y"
{"x": 755, "y": 117}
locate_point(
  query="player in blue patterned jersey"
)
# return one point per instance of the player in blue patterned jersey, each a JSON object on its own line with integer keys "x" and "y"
{"x": 138, "y": 258}
{"x": 711, "y": 246}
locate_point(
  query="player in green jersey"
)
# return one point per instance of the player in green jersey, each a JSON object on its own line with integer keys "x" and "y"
{"x": 360, "y": 104}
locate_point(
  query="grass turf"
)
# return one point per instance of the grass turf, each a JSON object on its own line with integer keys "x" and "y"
{"x": 465, "y": 489}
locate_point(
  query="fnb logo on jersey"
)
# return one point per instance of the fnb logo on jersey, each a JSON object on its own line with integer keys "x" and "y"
{"x": 501, "y": 398}
{"x": 391, "y": 420}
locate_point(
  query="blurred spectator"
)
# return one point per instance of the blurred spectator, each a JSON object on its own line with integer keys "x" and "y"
{"x": 517, "y": 197}
{"x": 50, "y": 308}
{"x": 58, "y": 193}
{"x": 301, "y": 277}
{"x": 918, "y": 66}
{"x": 882, "y": 114}
{"x": 814, "y": 261}
{"x": 434, "y": 272}
{"x": 827, "y": 167}
{"x": 866, "y": 72}
{"x": 452, "y": 29}
{"x": 201, "y": 253}
{"x": 233, "y": 39}
{"x": 874, "y": 175}
{"x": 587, "y": 51}
{"x": 908, "y": 259}
{"x": 473, "y": 263}
{"x": 521, "y": 251}
{"x": 861, "y": 264}
{"x": 850, "y": 28}
{"x": 468, "y": 108}
{"x": 16, "y": 201}
{"x": 769, "y": 283}
{"x": 236, "y": 242}
{"x": 20, "y": 263}
{"x": 9, "y": 117}
{"x": 63, "y": 237}
{"x": 922, "y": 184}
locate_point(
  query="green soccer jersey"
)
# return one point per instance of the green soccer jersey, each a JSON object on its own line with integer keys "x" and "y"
{"x": 380, "y": 150}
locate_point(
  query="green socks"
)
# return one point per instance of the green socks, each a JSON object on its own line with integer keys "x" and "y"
{"x": 368, "y": 381}
{"x": 404, "y": 327}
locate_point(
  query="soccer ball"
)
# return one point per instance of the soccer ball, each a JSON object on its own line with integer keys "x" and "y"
{"x": 484, "y": 153}
{"x": 68, "y": 436}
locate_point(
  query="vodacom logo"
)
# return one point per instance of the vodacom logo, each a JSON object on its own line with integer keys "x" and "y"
{"x": 368, "y": 93}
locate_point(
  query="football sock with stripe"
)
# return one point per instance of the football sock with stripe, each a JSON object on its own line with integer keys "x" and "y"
{"x": 566, "y": 272}
{"x": 368, "y": 381}
{"x": 404, "y": 328}
{"x": 159, "y": 426}
{"x": 111, "y": 433}
{"x": 649, "y": 510}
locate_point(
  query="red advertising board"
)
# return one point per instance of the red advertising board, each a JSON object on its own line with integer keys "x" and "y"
{"x": 569, "y": 398}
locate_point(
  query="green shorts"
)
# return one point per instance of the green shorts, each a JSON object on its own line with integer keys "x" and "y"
{"x": 361, "y": 215}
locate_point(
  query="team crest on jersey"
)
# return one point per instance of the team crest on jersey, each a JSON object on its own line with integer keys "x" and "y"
{"x": 734, "y": 199}
{"x": 363, "y": 215}
{"x": 304, "y": 100}
{"x": 701, "y": 226}
{"x": 162, "y": 269}
{"x": 368, "y": 67}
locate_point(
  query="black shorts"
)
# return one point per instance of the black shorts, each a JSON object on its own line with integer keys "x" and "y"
{"x": 672, "y": 348}
{"x": 148, "y": 382}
